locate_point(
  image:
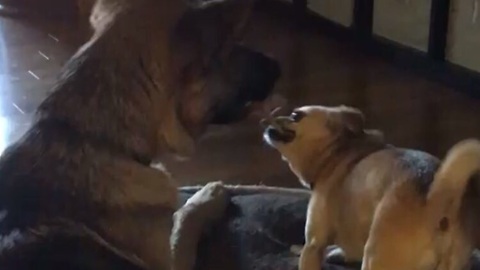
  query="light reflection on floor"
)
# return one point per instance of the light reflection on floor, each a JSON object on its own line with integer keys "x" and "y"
{"x": 31, "y": 54}
{"x": 5, "y": 87}
{"x": 3, "y": 133}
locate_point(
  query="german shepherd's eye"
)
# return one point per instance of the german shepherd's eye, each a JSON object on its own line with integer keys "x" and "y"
{"x": 297, "y": 116}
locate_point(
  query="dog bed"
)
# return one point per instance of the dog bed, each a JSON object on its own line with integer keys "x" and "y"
{"x": 257, "y": 233}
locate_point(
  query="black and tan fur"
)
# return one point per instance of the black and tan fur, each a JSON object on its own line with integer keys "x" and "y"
{"x": 77, "y": 191}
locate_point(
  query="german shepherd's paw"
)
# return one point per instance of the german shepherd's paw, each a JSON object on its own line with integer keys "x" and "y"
{"x": 210, "y": 202}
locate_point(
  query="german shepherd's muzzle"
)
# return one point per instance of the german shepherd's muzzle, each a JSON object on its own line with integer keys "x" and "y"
{"x": 253, "y": 75}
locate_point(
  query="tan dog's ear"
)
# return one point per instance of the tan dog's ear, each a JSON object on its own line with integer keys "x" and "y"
{"x": 349, "y": 120}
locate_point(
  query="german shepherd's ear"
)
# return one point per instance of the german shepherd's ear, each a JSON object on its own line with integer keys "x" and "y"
{"x": 221, "y": 24}
{"x": 206, "y": 34}
{"x": 348, "y": 120}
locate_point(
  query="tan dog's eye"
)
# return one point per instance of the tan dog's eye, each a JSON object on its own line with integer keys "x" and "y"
{"x": 296, "y": 116}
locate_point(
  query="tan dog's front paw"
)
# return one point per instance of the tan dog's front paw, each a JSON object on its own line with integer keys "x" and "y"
{"x": 311, "y": 258}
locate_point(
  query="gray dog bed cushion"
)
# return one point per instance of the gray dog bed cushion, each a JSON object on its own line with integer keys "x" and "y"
{"x": 257, "y": 233}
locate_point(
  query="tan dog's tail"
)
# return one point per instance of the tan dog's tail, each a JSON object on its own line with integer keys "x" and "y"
{"x": 452, "y": 178}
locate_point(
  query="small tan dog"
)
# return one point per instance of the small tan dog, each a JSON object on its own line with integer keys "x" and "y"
{"x": 393, "y": 209}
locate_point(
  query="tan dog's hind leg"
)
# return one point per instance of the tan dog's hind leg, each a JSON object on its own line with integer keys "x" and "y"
{"x": 317, "y": 232}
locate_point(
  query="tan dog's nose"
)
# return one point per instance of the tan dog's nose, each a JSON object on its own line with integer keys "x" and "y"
{"x": 265, "y": 122}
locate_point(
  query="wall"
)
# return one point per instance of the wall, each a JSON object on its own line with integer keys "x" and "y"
{"x": 404, "y": 21}
{"x": 339, "y": 11}
{"x": 464, "y": 34}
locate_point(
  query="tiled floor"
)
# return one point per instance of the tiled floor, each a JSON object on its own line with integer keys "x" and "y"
{"x": 413, "y": 112}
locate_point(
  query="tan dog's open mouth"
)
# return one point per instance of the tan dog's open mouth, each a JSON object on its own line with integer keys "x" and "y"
{"x": 276, "y": 129}
{"x": 283, "y": 135}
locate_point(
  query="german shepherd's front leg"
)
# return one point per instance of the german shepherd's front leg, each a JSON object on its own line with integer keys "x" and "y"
{"x": 204, "y": 208}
